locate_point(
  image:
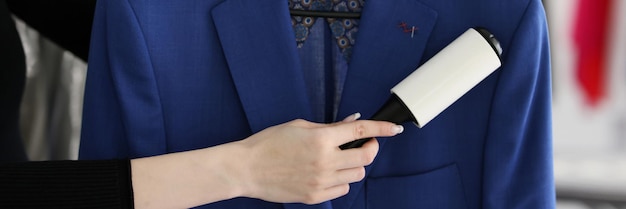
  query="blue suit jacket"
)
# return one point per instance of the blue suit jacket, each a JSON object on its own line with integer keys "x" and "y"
{"x": 167, "y": 76}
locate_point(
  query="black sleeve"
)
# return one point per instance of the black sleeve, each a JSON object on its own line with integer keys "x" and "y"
{"x": 66, "y": 184}
{"x": 65, "y": 22}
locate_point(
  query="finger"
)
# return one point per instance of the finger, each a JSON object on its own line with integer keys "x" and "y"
{"x": 346, "y": 132}
{"x": 327, "y": 194}
{"x": 357, "y": 157}
{"x": 352, "y": 117}
{"x": 332, "y": 193}
{"x": 347, "y": 176}
{"x": 304, "y": 124}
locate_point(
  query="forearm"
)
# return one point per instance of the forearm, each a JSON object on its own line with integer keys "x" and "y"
{"x": 187, "y": 179}
{"x": 178, "y": 180}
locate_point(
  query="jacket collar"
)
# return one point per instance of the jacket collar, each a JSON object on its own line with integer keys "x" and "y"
{"x": 383, "y": 55}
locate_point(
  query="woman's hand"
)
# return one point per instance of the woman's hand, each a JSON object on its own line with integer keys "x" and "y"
{"x": 300, "y": 161}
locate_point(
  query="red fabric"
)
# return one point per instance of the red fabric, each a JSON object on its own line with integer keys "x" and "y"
{"x": 590, "y": 37}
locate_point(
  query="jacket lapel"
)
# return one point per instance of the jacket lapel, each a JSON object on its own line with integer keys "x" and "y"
{"x": 260, "y": 48}
{"x": 384, "y": 54}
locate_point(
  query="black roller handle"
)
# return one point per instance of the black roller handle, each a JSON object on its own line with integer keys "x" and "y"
{"x": 393, "y": 111}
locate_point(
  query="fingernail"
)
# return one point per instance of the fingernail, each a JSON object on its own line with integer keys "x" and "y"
{"x": 397, "y": 129}
{"x": 357, "y": 116}
{"x": 352, "y": 117}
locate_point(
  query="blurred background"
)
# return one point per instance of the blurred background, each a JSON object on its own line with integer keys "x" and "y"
{"x": 588, "y": 40}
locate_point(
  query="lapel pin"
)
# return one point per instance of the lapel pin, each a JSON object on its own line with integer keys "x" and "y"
{"x": 407, "y": 29}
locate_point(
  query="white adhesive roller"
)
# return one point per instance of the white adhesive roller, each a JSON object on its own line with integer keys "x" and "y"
{"x": 440, "y": 81}
{"x": 448, "y": 75}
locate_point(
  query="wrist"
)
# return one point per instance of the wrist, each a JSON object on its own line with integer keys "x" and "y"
{"x": 235, "y": 169}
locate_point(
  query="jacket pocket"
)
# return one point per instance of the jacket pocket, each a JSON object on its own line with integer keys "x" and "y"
{"x": 440, "y": 188}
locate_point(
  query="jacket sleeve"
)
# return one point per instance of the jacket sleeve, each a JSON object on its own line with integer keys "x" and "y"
{"x": 63, "y": 184}
{"x": 122, "y": 113}
{"x": 518, "y": 151}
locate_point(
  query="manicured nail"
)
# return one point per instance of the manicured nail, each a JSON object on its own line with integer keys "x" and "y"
{"x": 397, "y": 129}
{"x": 352, "y": 117}
{"x": 356, "y": 116}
